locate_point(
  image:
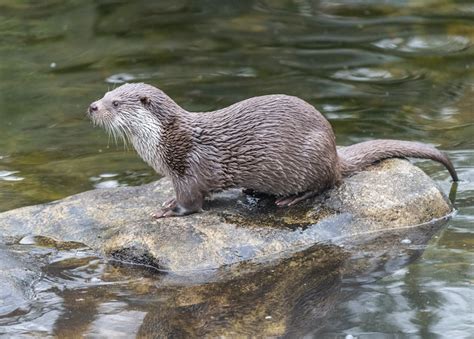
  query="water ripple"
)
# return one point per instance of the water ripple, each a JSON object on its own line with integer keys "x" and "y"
{"x": 121, "y": 78}
{"x": 334, "y": 58}
{"x": 433, "y": 44}
{"x": 9, "y": 176}
{"x": 378, "y": 75}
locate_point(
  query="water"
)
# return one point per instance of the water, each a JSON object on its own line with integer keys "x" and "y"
{"x": 397, "y": 69}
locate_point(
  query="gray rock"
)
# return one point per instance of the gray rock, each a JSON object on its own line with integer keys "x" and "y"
{"x": 17, "y": 276}
{"x": 235, "y": 227}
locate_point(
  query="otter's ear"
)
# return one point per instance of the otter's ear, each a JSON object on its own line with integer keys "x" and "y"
{"x": 145, "y": 100}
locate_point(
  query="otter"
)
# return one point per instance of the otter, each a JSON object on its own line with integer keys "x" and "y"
{"x": 273, "y": 144}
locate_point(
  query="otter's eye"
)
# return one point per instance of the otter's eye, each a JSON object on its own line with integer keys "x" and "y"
{"x": 115, "y": 103}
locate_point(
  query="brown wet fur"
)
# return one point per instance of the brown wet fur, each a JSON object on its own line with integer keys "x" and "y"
{"x": 273, "y": 144}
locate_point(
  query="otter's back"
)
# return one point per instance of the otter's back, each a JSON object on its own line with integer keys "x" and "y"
{"x": 275, "y": 144}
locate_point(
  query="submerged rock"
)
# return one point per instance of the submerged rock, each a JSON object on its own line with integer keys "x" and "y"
{"x": 235, "y": 227}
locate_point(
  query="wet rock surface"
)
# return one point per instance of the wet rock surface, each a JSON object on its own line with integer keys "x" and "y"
{"x": 303, "y": 257}
{"x": 284, "y": 297}
{"x": 235, "y": 227}
{"x": 16, "y": 278}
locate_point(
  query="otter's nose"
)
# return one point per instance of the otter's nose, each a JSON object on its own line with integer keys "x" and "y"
{"x": 93, "y": 107}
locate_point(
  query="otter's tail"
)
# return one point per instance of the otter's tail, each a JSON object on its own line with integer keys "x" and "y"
{"x": 356, "y": 157}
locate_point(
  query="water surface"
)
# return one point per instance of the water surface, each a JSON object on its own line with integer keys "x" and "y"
{"x": 391, "y": 69}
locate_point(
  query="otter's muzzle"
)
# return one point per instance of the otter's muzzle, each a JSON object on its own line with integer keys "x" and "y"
{"x": 94, "y": 107}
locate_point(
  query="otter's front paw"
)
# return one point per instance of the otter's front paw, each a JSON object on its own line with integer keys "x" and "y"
{"x": 164, "y": 213}
{"x": 170, "y": 203}
{"x": 170, "y": 209}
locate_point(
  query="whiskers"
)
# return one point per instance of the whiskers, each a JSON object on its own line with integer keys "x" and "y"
{"x": 115, "y": 127}
{"x": 123, "y": 131}
{"x": 134, "y": 126}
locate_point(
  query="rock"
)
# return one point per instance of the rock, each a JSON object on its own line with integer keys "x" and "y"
{"x": 298, "y": 292}
{"x": 287, "y": 297}
{"x": 306, "y": 259}
{"x": 17, "y": 277}
{"x": 235, "y": 227}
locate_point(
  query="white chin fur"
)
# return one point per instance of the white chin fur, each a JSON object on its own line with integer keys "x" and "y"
{"x": 144, "y": 131}
{"x": 140, "y": 127}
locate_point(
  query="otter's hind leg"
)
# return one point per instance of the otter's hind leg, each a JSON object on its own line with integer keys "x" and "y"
{"x": 294, "y": 199}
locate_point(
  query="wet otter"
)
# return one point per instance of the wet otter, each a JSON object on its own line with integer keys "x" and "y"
{"x": 274, "y": 144}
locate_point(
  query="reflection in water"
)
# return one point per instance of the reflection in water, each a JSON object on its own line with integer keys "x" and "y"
{"x": 294, "y": 296}
{"x": 397, "y": 69}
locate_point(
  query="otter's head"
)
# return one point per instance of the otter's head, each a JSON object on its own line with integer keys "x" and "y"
{"x": 131, "y": 109}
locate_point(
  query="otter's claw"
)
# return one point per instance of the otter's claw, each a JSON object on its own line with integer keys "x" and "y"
{"x": 283, "y": 202}
{"x": 294, "y": 199}
{"x": 164, "y": 213}
{"x": 169, "y": 203}
{"x": 168, "y": 210}
{"x": 172, "y": 208}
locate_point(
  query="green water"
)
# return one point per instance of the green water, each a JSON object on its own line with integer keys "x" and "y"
{"x": 391, "y": 69}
